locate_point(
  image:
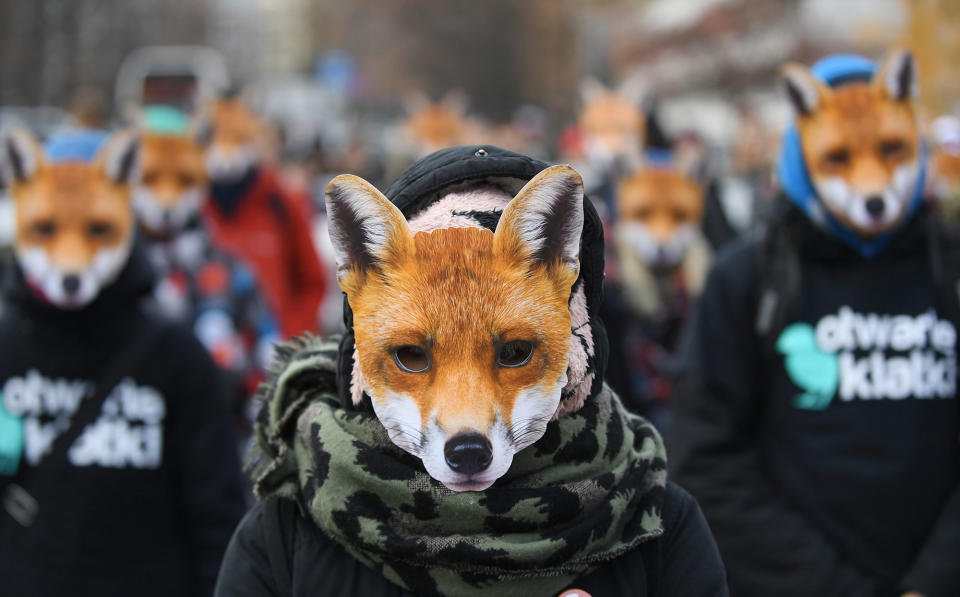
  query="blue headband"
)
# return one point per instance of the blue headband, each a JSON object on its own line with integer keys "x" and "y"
{"x": 75, "y": 146}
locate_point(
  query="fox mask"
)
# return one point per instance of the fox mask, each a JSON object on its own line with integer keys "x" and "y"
{"x": 613, "y": 125}
{"x": 434, "y": 125}
{"x": 74, "y": 221}
{"x": 860, "y": 143}
{"x": 172, "y": 184}
{"x": 658, "y": 215}
{"x": 235, "y": 134}
{"x": 462, "y": 334}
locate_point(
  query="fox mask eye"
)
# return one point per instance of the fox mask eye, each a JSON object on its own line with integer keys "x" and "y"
{"x": 411, "y": 359}
{"x": 187, "y": 180}
{"x": 893, "y": 149}
{"x": 100, "y": 230}
{"x": 43, "y": 229}
{"x": 837, "y": 158}
{"x": 515, "y": 354}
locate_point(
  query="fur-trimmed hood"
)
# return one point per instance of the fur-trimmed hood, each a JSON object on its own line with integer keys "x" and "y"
{"x": 469, "y": 187}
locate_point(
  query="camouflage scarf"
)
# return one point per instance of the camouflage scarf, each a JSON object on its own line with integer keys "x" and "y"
{"x": 588, "y": 491}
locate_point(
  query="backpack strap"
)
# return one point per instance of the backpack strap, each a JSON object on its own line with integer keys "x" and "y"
{"x": 778, "y": 280}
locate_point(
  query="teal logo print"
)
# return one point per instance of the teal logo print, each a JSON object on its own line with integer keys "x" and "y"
{"x": 816, "y": 372}
{"x": 11, "y": 441}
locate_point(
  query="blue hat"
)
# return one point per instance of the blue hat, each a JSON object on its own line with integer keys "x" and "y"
{"x": 75, "y": 146}
{"x": 795, "y": 180}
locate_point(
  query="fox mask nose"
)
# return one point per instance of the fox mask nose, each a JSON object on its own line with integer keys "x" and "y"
{"x": 71, "y": 284}
{"x": 468, "y": 453}
{"x": 875, "y": 206}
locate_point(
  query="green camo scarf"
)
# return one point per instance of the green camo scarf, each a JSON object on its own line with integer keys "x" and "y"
{"x": 589, "y": 490}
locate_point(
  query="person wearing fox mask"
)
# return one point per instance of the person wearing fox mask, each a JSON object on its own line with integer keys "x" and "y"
{"x": 612, "y": 129}
{"x": 256, "y": 219}
{"x": 459, "y": 438}
{"x": 199, "y": 284}
{"x": 660, "y": 263}
{"x": 817, "y": 419}
{"x": 118, "y": 466}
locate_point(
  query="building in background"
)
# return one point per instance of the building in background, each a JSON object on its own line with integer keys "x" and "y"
{"x": 52, "y": 49}
{"x": 261, "y": 37}
{"x": 709, "y": 58}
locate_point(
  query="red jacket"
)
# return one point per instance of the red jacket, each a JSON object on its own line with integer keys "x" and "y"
{"x": 269, "y": 230}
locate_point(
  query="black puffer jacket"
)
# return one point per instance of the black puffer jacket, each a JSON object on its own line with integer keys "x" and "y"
{"x": 278, "y": 550}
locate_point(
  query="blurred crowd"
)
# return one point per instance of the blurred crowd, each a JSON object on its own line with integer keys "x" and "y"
{"x": 226, "y": 234}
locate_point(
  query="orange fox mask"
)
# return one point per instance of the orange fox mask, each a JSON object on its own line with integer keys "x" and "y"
{"x": 659, "y": 210}
{"x": 462, "y": 334}
{"x": 74, "y": 221}
{"x": 613, "y": 125}
{"x": 860, "y": 143}
{"x": 172, "y": 184}
{"x": 235, "y": 137}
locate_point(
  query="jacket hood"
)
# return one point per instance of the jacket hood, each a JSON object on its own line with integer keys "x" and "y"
{"x": 795, "y": 179}
{"x": 435, "y": 193}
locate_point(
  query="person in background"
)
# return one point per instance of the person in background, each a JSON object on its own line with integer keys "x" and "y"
{"x": 198, "y": 284}
{"x": 660, "y": 261}
{"x": 118, "y": 464}
{"x": 609, "y": 135}
{"x": 816, "y": 420}
{"x": 254, "y": 218}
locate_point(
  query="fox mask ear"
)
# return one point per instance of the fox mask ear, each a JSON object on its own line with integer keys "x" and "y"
{"x": 365, "y": 228}
{"x": 803, "y": 90}
{"x": 22, "y": 156}
{"x": 543, "y": 223}
{"x": 120, "y": 157}
{"x": 898, "y": 76}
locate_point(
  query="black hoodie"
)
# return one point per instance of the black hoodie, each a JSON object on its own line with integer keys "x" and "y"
{"x": 144, "y": 501}
{"x": 825, "y": 454}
